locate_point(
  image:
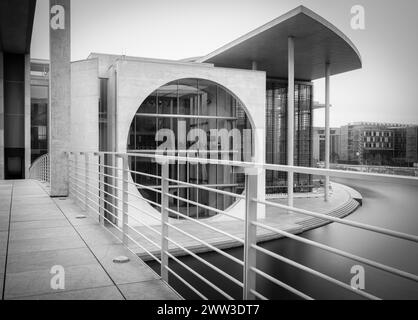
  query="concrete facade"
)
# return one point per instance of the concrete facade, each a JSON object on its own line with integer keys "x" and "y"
{"x": 131, "y": 81}
{"x": 137, "y": 79}
{"x": 60, "y": 97}
{"x": 84, "y": 105}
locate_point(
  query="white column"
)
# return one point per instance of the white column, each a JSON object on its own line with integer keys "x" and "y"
{"x": 254, "y": 65}
{"x": 290, "y": 117}
{"x": 327, "y": 131}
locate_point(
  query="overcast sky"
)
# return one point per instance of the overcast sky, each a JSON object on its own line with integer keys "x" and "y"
{"x": 384, "y": 90}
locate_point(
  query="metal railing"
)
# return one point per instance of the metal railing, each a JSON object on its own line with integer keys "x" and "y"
{"x": 100, "y": 182}
{"x": 39, "y": 170}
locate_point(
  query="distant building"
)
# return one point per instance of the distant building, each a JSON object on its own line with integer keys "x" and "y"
{"x": 370, "y": 143}
{"x": 318, "y": 144}
{"x": 412, "y": 146}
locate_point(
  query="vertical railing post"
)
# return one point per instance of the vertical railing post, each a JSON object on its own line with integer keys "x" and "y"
{"x": 86, "y": 180}
{"x": 125, "y": 168}
{"x": 70, "y": 174}
{"x": 164, "y": 220}
{"x": 48, "y": 166}
{"x": 101, "y": 202}
{"x": 327, "y": 129}
{"x": 43, "y": 169}
{"x": 251, "y": 189}
{"x": 76, "y": 193}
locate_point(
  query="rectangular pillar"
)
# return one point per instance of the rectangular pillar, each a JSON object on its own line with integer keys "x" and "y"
{"x": 327, "y": 130}
{"x": 290, "y": 117}
{"x": 27, "y": 116}
{"x": 60, "y": 98}
{"x": 1, "y": 118}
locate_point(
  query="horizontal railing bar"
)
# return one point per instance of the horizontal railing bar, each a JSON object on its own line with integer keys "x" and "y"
{"x": 127, "y": 247}
{"x": 109, "y": 167}
{"x": 143, "y": 211}
{"x": 206, "y": 263}
{"x": 314, "y": 272}
{"x": 210, "y": 265}
{"x": 258, "y": 295}
{"x": 227, "y": 255}
{"x": 197, "y": 204}
{"x": 108, "y": 220}
{"x": 185, "y": 266}
{"x": 282, "y": 284}
{"x": 142, "y": 186}
{"x": 127, "y": 235}
{"x": 144, "y": 174}
{"x": 222, "y": 185}
{"x": 143, "y": 236}
{"x": 277, "y": 167}
{"x": 109, "y": 203}
{"x": 143, "y": 248}
{"x": 206, "y": 225}
{"x": 188, "y": 116}
{"x": 231, "y": 194}
{"x": 375, "y": 264}
{"x": 102, "y": 182}
{"x": 144, "y": 199}
{"x": 143, "y": 224}
{"x": 186, "y": 283}
{"x": 350, "y": 223}
{"x": 103, "y": 208}
{"x": 110, "y": 176}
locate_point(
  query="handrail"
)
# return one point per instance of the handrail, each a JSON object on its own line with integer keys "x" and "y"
{"x": 39, "y": 170}
{"x": 106, "y": 186}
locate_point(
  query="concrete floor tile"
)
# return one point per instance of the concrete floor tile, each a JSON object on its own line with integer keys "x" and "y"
{"x": 40, "y": 260}
{"x": 42, "y": 233}
{"x": 2, "y": 264}
{"x": 4, "y": 223}
{"x": 1, "y": 283}
{"x": 83, "y": 222}
{"x": 32, "y": 216}
{"x": 32, "y": 245}
{"x": 148, "y": 290}
{"x": 133, "y": 271}
{"x": 53, "y": 223}
{"x": 103, "y": 293}
{"x": 39, "y": 282}
{"x": 96, "y": 235}
{"x": 3, "y": 242}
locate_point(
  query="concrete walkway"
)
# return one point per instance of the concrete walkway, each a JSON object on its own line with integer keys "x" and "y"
{"x": 37, "y": 233}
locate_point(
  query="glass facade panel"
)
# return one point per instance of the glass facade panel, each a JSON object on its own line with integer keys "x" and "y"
{"x": 198, "y": 104}
{"x": 276, "y": 134}
{"x": 39, "y": 121}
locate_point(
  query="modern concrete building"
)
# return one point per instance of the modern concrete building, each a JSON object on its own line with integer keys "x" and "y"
{"x": 371, "y": 143}
{"x": 406, "y": 146}
{"x": 119, "y": 103}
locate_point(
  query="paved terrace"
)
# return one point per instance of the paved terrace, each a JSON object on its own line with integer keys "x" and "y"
{"x": 38, "y": 232}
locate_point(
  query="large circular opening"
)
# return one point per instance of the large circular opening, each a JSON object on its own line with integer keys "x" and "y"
{"x": 186, "y": 105}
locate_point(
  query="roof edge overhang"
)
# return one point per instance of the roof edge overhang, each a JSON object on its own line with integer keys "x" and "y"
{"x": 351, "y": 61}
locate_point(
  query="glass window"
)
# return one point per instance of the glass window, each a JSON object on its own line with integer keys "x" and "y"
{"x": 199, "y": 104}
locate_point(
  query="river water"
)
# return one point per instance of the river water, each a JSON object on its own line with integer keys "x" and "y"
{"x": 386, "y": 205}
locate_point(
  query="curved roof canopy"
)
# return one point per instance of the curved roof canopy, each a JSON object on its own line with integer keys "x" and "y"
{"x": 317, "y": 42}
